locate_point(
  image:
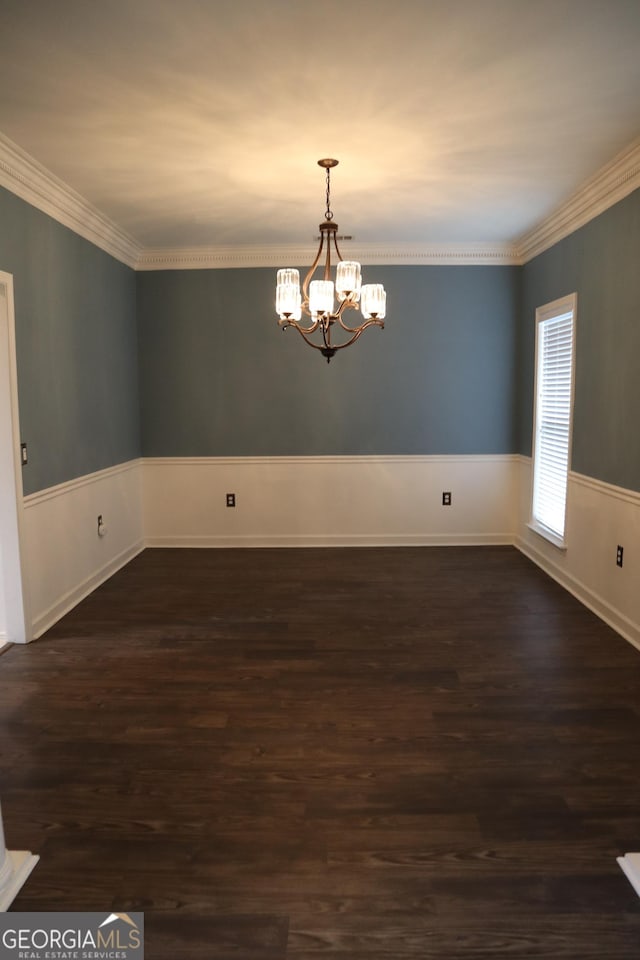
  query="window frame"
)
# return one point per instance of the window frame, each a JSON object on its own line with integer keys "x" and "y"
{"x": 549, "y": 311}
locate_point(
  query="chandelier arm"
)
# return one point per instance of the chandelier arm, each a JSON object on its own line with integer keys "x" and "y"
{"x": 327, "y": 261}
{"x": 357, "y": 333}
{"x": 368, "y": 323}
{"x": 312, "y": 270}
{"x": 345, "y": 305}
{"x": 335, "y": 243}
{"x": 294, "y": 323}
{"x": 348, "y": 304}
{"x": 336, "y": 346}
{"x": 326, "y": 344}
{"x": 316, "y": 346}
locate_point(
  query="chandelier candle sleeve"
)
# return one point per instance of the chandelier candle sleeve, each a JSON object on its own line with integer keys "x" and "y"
{"x": 317, "y": 298}
{"x": 374, "y": 301}
{"x": 348, "y": 280}
{"x": 321, "y": 298}
{"x": 288, "y": 297}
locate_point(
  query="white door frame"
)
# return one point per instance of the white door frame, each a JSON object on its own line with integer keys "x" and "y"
{"x": 13, "y": 581}
{"x": 15, "y": 625}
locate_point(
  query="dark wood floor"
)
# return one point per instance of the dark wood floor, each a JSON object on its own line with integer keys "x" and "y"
{"x": 330, "y": 754}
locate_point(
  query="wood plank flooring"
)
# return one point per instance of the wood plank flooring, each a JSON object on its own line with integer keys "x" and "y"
{"x": 377, "y": 754}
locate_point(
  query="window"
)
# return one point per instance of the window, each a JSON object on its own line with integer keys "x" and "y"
{"x": 553, "y": 409}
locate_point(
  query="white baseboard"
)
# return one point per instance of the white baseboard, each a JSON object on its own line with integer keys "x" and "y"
{"x": 363, "y": 540}
{"x": 22, "y": 863}
{"x": 630, "y": 865}
{"x": 324, "y": 502}
{"x": 66, "y": 557}
{"x": 599, "y": 517}
{"x": 329, "y": 501}
{"x": 597, "y": 604}
{"x": 46, "y": 619}
{"x": 281, "y": 502}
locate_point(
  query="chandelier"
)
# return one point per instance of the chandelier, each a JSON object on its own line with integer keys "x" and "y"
{"x": 317, "y": 299}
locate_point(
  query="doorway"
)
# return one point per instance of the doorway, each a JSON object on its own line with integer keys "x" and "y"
{"x": 14, "y": 620}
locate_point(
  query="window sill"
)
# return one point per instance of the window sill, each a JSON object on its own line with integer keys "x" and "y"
{"x": 558, "y": 542}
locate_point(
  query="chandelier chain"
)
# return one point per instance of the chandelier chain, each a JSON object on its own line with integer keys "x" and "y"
{"x": 328, "y": 215}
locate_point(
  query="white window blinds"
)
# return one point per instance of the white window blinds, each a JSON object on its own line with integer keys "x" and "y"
{"x": 553, "y": 411}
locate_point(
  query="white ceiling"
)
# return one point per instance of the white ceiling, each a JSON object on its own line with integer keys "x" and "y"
{"x": 198, "y": 122}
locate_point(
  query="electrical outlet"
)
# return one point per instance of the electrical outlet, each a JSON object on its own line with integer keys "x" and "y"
{"x": 231, "y": 499}
{"x": 619, "y": 555}
{"x": 446, "y": 498}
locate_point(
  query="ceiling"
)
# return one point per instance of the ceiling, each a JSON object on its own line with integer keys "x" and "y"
{"x": 200, "y": 123}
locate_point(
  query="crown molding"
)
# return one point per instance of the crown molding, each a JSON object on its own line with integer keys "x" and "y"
{"x": 397, "y": 254}
{"x": 613, "y": 182}
{"x": 26, "y": 178}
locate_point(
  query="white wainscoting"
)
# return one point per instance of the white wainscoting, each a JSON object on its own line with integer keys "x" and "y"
{"x": 599, "y": 517}
{"x": 65, "y": 557}
{"x": 325, "y": 501}
{"x": 329, "y": 501}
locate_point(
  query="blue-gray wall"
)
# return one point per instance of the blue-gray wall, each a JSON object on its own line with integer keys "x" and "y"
{"x": 219, "y": 378}
{"x": 76, "y": 347}
{"x": 601, "y": 262}
{"x": 451, "y": 373}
